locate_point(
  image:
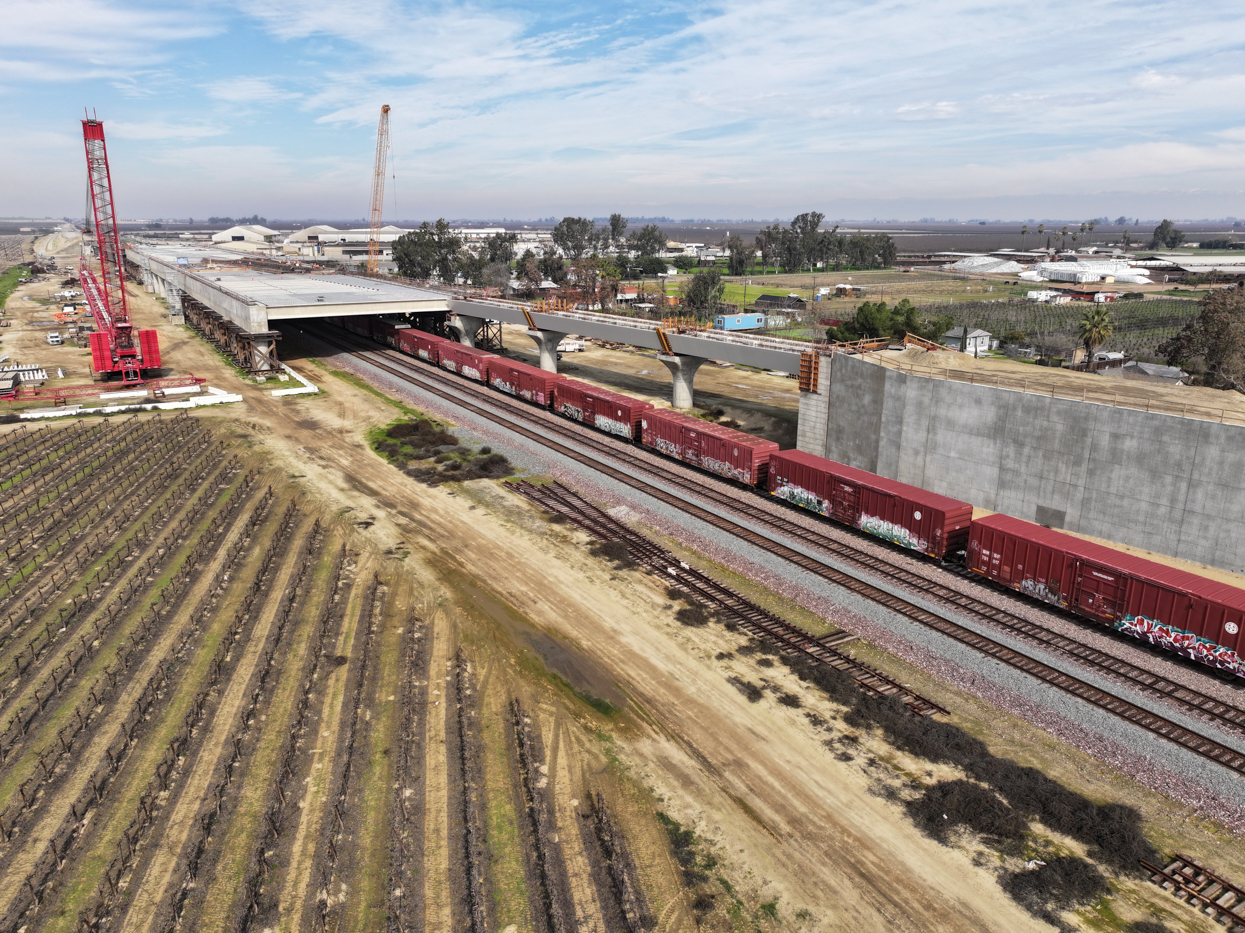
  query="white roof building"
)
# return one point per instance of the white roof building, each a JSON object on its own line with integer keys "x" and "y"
{"x": 246, "y": 233}
{"x": 323, "y": 233}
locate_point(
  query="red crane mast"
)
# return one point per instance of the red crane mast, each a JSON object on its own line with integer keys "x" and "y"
{"x": 113, "y": 345}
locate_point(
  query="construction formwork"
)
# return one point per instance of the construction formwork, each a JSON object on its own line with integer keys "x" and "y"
{"x": 255, "y": 353}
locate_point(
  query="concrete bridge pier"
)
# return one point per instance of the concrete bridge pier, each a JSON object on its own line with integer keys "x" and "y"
{"x": 547, "y": 343}
{"x": 683, "y": 373}
{"x": 464, "y": 328}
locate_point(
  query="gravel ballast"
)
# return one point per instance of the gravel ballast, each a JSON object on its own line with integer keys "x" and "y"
{"x": 1211, "y": 789}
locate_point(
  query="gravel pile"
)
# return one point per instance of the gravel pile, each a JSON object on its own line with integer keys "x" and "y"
{"x": 1208, "y": 788}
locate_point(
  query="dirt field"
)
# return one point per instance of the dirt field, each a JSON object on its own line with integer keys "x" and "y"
{"x": 294, "y": 709}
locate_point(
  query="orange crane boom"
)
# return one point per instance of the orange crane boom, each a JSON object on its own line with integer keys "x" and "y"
{"x": 378, "y": 190}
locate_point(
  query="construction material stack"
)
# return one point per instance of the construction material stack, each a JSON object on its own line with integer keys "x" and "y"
{"x": 115, "y": 346}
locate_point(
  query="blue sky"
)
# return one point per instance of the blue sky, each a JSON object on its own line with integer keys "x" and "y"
{"x": 763, "y": 108}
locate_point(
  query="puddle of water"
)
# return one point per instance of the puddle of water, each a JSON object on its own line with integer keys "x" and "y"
{"x": 559, "y": 656}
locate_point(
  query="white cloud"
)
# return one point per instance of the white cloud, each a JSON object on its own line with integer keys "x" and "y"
{"x": 248, "y": 91}
{"x": 61, "y": 40}
{"x": 753, "y": 101}
{"x": 155, "y": 129}
{"x": 943, "y": 110}
{"x": 1151, "y": 79}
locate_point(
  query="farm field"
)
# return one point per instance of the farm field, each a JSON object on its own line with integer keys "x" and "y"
{"x": 267, "y": 681}
{"x": 220, "y": 713}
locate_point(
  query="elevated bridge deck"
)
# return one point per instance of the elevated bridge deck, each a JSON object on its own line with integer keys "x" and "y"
{"x": 238, "y": 306}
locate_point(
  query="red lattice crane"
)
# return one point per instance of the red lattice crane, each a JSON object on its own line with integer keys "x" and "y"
{"x": 115, "y": 346}
{"x": 378, "y": 191}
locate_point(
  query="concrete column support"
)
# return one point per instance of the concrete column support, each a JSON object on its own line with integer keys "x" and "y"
{"x": 547, "y": 343}
{"x": 464, "y": 328}
{"x": 149, "y": 281}
{"x": 683, "y": 372}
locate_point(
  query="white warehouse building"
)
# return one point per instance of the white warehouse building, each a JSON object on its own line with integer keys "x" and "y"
{"x": 328, "y": 242}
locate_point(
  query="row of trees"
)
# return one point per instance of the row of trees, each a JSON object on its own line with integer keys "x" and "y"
{"x": 580, "y": 248}
{"x": 803, "y": 244}
{"x": 231, "y": 221}
{"x": 875, "y": 320}
{"x": 596, "y": 258}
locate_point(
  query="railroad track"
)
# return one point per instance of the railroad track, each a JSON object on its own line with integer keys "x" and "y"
{"x": 751, "y": 617}
{"x": 642, "y": 475}
{"x": 1200, "y": 887}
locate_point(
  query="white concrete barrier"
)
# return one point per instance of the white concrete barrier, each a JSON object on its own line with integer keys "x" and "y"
{"x": 218, "y": 397}
{"x": 307, "y": 388}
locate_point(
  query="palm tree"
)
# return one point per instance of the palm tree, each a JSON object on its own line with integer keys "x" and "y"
{"x": 1095, "y": 329}
{"x": 1024, "y": 231}
{"x": 1091, "y": 224}
{"x": 1063, "y": 237}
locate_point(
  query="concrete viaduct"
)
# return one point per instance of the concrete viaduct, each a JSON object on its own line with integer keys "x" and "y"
{"x": 235, "y": 308}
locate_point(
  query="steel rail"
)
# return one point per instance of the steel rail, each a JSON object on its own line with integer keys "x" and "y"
{"x": 1215, "y": 710}
{"x": 751, "y": 617}
{"x": 421, "y": 375}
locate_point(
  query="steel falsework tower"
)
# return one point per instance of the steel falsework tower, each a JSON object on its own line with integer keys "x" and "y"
{"x": 378, "y": 191}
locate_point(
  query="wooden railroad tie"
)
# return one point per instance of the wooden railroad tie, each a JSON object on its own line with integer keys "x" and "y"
{"x": 1202, "y": 889}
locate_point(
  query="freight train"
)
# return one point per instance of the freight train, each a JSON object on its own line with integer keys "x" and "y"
{"x": 1178, "y": 611}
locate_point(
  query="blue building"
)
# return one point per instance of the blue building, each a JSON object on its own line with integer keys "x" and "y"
{"x": 739, "y": 321}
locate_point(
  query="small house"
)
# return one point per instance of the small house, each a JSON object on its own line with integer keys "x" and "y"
{"x": 976, "y": 343}
{"x": 780, "y": 301}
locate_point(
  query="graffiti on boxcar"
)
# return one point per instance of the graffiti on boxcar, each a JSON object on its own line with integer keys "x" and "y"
{"x": 576, "y": 414}
{"x": 891, "y": 532}
{"x": 723, "y": 468}
{"x": 799, "y": 496}
{"x": 1031, "y": 587}
{"x": 609, "y": 425}
{"x": 470, "y": 372}
{"x": 1182, "y": 642}
{"x": 669, "y": 448}
{"x": 503, "y": 385}
{"x": 425, "y": 355}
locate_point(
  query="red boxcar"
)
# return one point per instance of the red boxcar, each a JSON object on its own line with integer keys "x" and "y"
{"x": 906, "y": 515}
{"x": 466, "y": 361}
{"x": 387, "y": 331}
{"x": 600, "y": 408}
{"x": 423, "y": 345}
{"x": 1179, "y": 611}
{"x": 525, "y": 381}
{"x": 711, "y": 447}
{"x": 360, "y": 324}
{"x": 149, "y": 344}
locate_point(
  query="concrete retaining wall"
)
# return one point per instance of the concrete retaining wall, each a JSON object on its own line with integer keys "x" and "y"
{"x": 1168, "y": 484}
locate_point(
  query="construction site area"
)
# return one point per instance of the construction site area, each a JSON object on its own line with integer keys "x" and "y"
{"x": 352, "y": 641}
